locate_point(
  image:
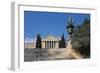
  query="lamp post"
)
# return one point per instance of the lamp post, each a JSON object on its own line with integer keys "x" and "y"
{"x": 70, "y": 26}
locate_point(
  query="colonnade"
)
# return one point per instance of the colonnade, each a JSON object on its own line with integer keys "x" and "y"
{"x": 50, "y": 44}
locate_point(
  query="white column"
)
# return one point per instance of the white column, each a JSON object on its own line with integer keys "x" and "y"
{"x": 57, "y": 44}
{"x": 50, "y": 44}
{"x": 45, "y": 44}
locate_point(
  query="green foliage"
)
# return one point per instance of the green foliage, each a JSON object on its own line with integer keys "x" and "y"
{"x": 62, "y": 43}
{"x": 38, "y": 41}
{"x": 81, "y": 38}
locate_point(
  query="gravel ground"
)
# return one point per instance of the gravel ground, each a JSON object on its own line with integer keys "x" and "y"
{"x": 45, "y": 54}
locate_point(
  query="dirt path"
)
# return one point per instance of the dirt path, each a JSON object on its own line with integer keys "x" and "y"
{"x": 71, "y": 52}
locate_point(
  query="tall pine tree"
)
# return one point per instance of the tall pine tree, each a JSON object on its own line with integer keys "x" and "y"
{"x": 38, "y": 41}
{"x": 62, "y": 43}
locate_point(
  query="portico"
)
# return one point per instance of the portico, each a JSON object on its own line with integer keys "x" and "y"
{"x": 50, "y": 42}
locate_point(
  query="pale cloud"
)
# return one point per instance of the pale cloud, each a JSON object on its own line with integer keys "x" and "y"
{"x": 30, "y": 40}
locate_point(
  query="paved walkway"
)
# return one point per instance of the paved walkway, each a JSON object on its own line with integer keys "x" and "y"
{"x": 38, "y": 54}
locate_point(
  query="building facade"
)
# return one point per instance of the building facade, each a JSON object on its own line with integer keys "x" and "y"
{"x": 48, "y": 42}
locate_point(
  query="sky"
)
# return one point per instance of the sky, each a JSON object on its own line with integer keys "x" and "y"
{"x": 49, "y": 23}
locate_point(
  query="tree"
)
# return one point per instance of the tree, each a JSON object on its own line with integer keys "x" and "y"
{"x": 62, "y": 43}
{"x": 59, "y": 43}
{"x": 81, "y": 38}
{"x": 38, "y": 41}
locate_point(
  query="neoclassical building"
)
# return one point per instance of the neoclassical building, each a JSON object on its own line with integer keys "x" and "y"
{"x": 47, "y": 42}
{"x": 50, "y": 42}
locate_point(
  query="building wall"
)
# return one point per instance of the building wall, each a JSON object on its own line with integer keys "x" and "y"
{"x": 48, "y": 42}
{"x": 29, "y": 45}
